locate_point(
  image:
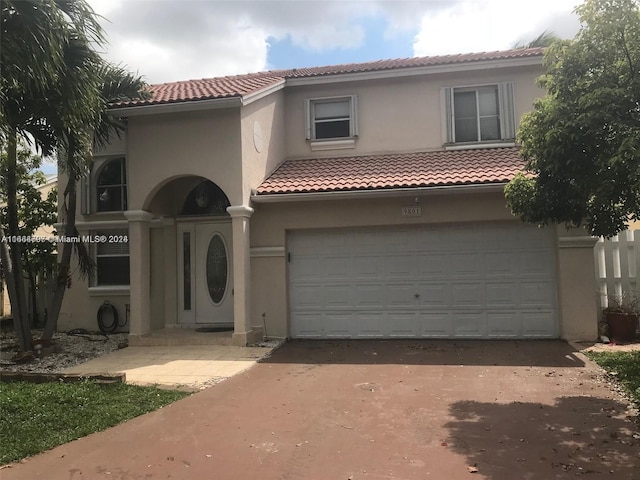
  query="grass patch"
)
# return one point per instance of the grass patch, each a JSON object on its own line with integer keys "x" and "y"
{"x": 627, "y": 368}
{"x": 38, "y": 417}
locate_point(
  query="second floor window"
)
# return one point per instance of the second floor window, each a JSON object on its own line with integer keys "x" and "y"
{"x": 331, "y": 118}
{"x": 476, "y": 114}
{"x": 111, "y": 187}
{"x": 480, "y": 114}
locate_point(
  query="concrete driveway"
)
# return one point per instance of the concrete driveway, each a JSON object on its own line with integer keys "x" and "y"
{"x": 375, "y": 410}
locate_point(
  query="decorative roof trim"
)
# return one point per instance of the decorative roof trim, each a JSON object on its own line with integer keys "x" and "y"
{"x": 383, "y": 192}
{"x": 412, "y": 71}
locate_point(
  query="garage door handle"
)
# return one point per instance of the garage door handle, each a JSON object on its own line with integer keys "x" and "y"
{"x": 416, "y": 295}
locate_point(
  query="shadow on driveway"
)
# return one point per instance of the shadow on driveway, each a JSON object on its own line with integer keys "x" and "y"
{"x": 535, "y": 353}
{"x": 574, "y": 437}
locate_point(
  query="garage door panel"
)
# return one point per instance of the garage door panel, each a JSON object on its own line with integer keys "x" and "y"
{"x": 369, "y": 324}
{"x": 403, "y": 324}
{"x": 368, "y": 267}
{"x": 400, "y": 265}
{"x": 432, "y": 265}
{"x": 337, "y": 325}
{"x": 400, "y": 295}
{"x": 436, "y": 324}
{"x": 337, "y": 267}
{"x": 433, "y": 239}
{"x": 337, "y": 296}
{"x": 341, "y": 241}
{"x": 434, "y": 295}
{"x": 369, "y": 296}
{"x": 466, "y": 265}
{"x": 503, "y": 324}
{"x": 461, "y": 281}
{"x": 397, "y": 241}
{"x": 469, "y": 324}
{"x": 538, "y": 294}
{"x": 538, "y": 324}
{"x": 535, "y": 263}
{"x": 501, "y": 293}
{"x": 307, "y": 297}
{"x": 308, "y": 325}
{"x": 307, "y": 268}
{"x": 500, "y": 264}
{"x": 467, "y": 294}
{"x": 465, "y": 237}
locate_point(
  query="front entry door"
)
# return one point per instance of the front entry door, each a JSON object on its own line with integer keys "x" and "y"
{"x": 206, "y": 283}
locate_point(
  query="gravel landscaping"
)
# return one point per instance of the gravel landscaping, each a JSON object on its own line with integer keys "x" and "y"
{"x": 70, "y": 350}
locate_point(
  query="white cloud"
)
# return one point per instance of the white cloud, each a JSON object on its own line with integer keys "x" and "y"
{"x": 474, "y": 26}
{"x": 167, "y": 41}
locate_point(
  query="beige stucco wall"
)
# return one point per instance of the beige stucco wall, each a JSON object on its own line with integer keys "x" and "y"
{"x": 264, "y": 118}
{"x": 80, "y": 305}
{"x": 400, "y": 114}
{"x": 167, "y": 146}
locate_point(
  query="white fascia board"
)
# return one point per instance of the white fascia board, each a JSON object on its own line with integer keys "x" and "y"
{"x": 412, "y": 71}
{"x": 392, "y": 192}
{"x": 252, "y": 97}
{"x": 190, "y": 106}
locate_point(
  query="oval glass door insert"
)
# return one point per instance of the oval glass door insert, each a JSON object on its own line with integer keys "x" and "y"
{"x": 217, "y": 264}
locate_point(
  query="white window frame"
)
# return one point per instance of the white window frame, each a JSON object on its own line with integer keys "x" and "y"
{"x": 506, "y": 108}
{"x": 89, "y": 186}
{"x": 110, "y": 234}
{"x": 334, "y": 142}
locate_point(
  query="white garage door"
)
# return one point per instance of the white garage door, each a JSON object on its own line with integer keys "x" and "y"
{"x": 458, "y": 281}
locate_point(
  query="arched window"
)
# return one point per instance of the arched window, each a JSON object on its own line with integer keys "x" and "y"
{"x": 111, "y": 187}
{"x": 206, "y": 199}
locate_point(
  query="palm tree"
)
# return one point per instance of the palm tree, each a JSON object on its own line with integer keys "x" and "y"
{"x": 53, "y": 88}
{"x": 545, "y": 39}
{"x": 77, "y": 139}
{"x": 33, "y": 34}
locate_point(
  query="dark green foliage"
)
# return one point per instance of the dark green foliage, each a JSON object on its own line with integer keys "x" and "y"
{"x": 582, "y": 140}
{"x": 37, "y": 417}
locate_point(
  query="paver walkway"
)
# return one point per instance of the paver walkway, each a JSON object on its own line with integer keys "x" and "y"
{"x": 191, "y": 366}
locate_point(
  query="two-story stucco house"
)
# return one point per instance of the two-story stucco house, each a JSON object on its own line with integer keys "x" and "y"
{"x": 349, "y": 201}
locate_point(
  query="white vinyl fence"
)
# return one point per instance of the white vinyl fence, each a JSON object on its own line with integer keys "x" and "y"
{"x": 617, "y": 263}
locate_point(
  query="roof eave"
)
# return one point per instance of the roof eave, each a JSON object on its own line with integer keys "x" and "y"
{"x": 380, "y": 193}
{"x": 174, "y": 107}
{"x": 412, "y": 71}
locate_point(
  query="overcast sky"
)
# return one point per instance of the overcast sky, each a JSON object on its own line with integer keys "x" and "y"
{"x": 179, "y": 40}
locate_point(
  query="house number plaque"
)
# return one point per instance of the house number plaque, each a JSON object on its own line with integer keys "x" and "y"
{"x": 413, "y": 211}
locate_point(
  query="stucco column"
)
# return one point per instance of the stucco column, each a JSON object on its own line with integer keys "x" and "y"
{"x": 140, "y": 271}
{"x": 242, "y": 334}
{"x": 577, "y": 287}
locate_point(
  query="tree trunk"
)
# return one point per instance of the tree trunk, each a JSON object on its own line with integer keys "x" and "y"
{"x": 64, "y": 266}
{"x": 12, "y": 250}
{"x": 33, "y": 297}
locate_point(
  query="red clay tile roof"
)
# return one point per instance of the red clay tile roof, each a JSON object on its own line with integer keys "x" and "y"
{"x": 240, "y": 85}
{"x": 395, "y": 170}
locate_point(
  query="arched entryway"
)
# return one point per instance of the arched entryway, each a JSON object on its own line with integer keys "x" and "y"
{"x": 205, "y": 258}
{"x": 200, "y": 250}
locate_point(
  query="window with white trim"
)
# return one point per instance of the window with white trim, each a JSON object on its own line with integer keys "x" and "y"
{"x": 479, "y": 114}
{"x": 111, "y": 257}
{"x": 331, "y": 118}
{"x": 111, "y": 186}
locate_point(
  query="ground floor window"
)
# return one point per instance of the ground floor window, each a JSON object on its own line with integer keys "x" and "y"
{"x": 112, "y": 257}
